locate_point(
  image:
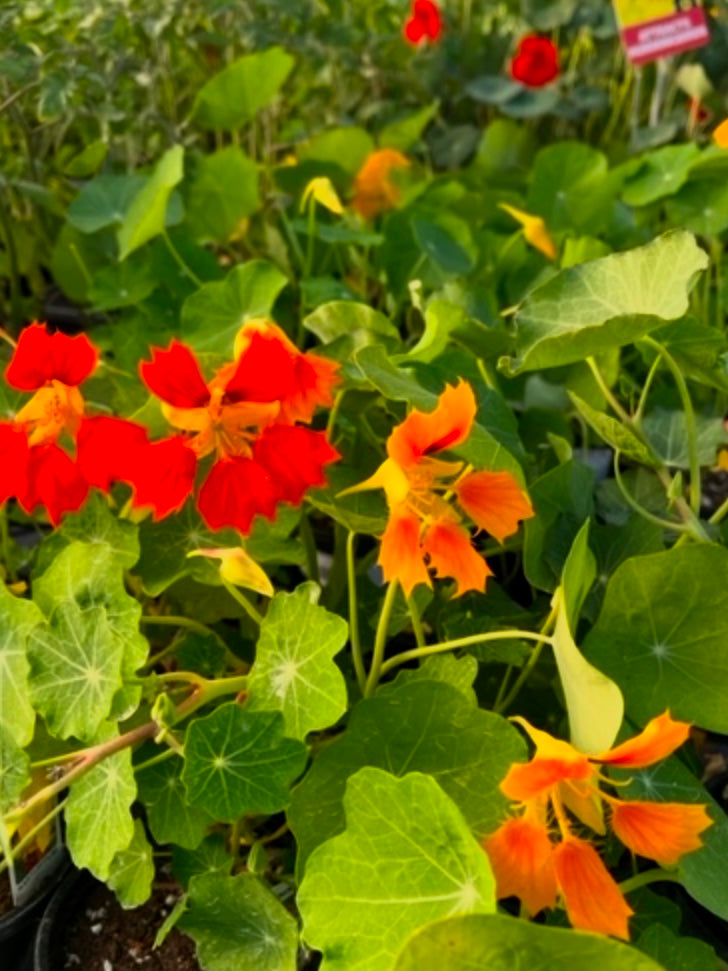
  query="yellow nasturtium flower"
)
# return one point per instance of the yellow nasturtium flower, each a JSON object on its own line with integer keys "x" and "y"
{"x": 324, "y": 193}
{"x": 534, "y": 230}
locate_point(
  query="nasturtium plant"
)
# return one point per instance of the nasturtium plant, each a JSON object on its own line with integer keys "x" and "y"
{"x": 364, "y": 480}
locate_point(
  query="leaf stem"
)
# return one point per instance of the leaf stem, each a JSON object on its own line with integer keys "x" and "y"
{"x": 356, "y": 654}
{"x": 309, "y": 545}
{"x": 190, "y": 274}
{"x": 638, "y": 507}
{"x": 178, "y": 620}
{"x": 380, "y": 640}
{"x": 247, "y": 606}
{"x": 503, "y": 703}
{"x": 471, "y": 640}
{"x": 416, "y": 622}
{"x": 649, "y": 876}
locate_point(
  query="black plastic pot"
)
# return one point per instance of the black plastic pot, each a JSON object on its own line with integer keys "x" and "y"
{"x": 18, "y": 926}
{"x": 47, "y": 954}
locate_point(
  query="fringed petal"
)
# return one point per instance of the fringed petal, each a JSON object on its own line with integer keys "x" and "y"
{"x": 174, "y": 376}
{"x": 661, "y": 831}
{"x": 452, "y": 555}
{"x": 422, "y": 433}
{"x": 163, "y": 476}
{"x": 593, "y": 900}
{"x": 494, "y": 501}
{"x": 54, "y": 481}
{"x": 41, "y": 357}
{"x": 660, "y": 738}
{"x": 294, "y": 457}
{"x": 235, "y": 491}
{"x": 107, "y": 450}
{"x": 521, "y": 855}
{"x": 400, "y": 556}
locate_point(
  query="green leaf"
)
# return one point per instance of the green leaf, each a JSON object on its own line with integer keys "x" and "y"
{"x": 171, "y": 819}
{"x": 75, "y": 670}
{"x": 446, "y": 241}
{"x": 662, "y": 635}
{"x": 498, "y": 942}
{"x": 667, "y": 433}
{"x": 609, "y": 302}
{"x": 661, "y": 174}
{"x": 145, "y": 217}
{"x": 14, "y": 770}
{"x": 103, "y": 202}
{"x": 422, "y": 726}
{"x": 446, "y": 322}
{"x": 294, "y": 671}
{"x": 563, "y": 499}
{"x": 85, "y": 576}
{"x": 132, "y": 871}
{"x": 676, "y": 953}
{"x": 212, "y": 316}
{"x": 236, "y": 94}
{"x": 700, "y": 206}
{"x": 579, "y": 573}
{"x": 18, "y": 618}
{"x": 238, "y": 924}
{"x": 613, "y": 432}
{"x": 701, "y": 872}
{"x": 357, "y": 321}
{"x": 390, "y": 872}
{"x": 98, "y": 821}
{"x": 211, "y": 856}
{"x": 223, "y": 191}
{"x": 346, "y": 148}
{"x": 459, "y": 672}
{"x": 571, "y": 188}
{"x": 238, "y": 762}
{"x": 405, "y": 132}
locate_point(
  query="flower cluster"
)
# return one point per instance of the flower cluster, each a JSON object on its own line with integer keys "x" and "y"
{"x": 536, "y": 855}
{"x": 425, "y": 528}
{"x": 251, "y": 419}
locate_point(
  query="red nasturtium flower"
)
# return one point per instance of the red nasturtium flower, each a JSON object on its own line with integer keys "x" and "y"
{"x": 374, "y": 190}
{"x": 424, "y": 22}
{"x": 425, "y": 529}
{"x": 536, "y": 61}
{"x": 560, "y": 783}
{"x": 246, "y": 419}
{"x": 35, "y": 468}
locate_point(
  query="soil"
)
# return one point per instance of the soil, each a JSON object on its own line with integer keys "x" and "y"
{"x": 108, "y": 938}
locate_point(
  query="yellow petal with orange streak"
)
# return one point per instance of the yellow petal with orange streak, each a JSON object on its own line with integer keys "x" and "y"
{"x": 659, "y": 738}
{"x": 661, "y": 831}
{"x": 535, "y": 230}
{"x": 239, "y": 568}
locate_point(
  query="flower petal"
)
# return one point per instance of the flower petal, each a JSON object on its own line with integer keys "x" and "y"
{"x": 536, "y": 61}
{"x": 13, "y": 461}
{"x": 107, "y": 449}
{"x": 294, "y": 457}
{"x": 422, "y": 433}
{"x": 163, "y": 475}
{"x": 660, "y": 737}
{"x": 265, "y": 364}
{"x": 235, "y": 491}
{"x": 374, "y": 190}
{"x": 494, "y": 501}
{"x": 720, "y": 134}
{"x": 593, "y": 900}
{"x": 521, "y": 855}
{"x": 40, "y": 357}
{"x": 528, "y": 780}
{"x": 452, "y": 555}
{"x": 401, "y": 557}
{"x": 661, "y": 831}
{"x": 174, "y": 376}
{"x": 54, "y": 481}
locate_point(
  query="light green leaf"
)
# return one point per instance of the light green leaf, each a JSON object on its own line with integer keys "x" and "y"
{"x": 145, "y": 217}
{"x": 14, "y": 770}
{"x": 662, "y": 635}
{"x": 571, "y": 188}
{"x": 613, "y": 432}
{"x": 103, "y": 202}
{"x": 390, "y": 872}
{"x": 223, "y": 191}
{"x": 459, "y": 672}
{"x": 662, "y": 173}
{"x": 294, "y": 671}
{"x": 212, "y": 316}
{"x": 18, "y": 618}
{"x": 609, "y": 302}
{"x": 345, "y": 147}
{"x": 132, "y": 870}
{"x": 667, "y": 433}
{"x": 99, "y": 823}
{"x": 239, "y": 925}
{"x": 422, "y": 726}
{"x": 700, "y": 206}
{"x": 356, "y": 321}
{"x": 403, "y": 133}
{"x": 497, "y": 942}
{"x": 236, "y": 94}
{"x": 579, "y": 573}
{"x": 238, "y": 762}
{"x": 674, "y": 952}
{"x": 171, "y": 819}
{"x": 75, "y": 670}
{"x": 446, "y": 322}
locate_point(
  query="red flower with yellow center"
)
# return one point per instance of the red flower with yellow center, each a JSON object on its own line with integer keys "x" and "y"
{"x": 425, "y": 528}
{"x": 246, "y": 418}
{"x": 560, "y": 784}
{"x": 374, "y": 190}
{"x": 36, "y": 469}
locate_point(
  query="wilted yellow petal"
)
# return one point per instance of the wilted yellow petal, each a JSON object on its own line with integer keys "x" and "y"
{"x": 240, "y": 569}
{"x": 720, "y": 135}
{"x": 324, "y": 193}
{"x": 534, "y": 230}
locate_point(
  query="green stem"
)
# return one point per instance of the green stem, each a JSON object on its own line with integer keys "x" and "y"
{"x": 502, "y": 703}
{"x": 690, "y": 427}
{"x": 190, "y": 274}
{"x": 178, "y": 620}
{"x": 156, "y": 759}
{"x": 471, "y": 640}
{"x": 356, "y": 654}
{"x": 639, "y": 508}
{"x": 649, "y": 876}
{"x": 5, "y": 543}
{"x": 334, "y": 414}
{"x": 376, "y": 670}
{"x": 310, "y": 238}
{"x": 608, "y": 394}
{"x": 416, "y": 622}
{"x": 720, "y": 512}
{"x": 247, "y": 606}
{"x": 641, "y": 404}
{"x": 309, "y": 545}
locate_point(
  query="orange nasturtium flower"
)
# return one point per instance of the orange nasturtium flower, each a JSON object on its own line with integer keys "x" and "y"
{"x": 561, "y": 784}
{"x": 720, "y": 134}
{"x": 35, "y": 468}
{"x": 374, "y": 190}
{"x": 425, "y": 528}
{"x": 535, "y": 230}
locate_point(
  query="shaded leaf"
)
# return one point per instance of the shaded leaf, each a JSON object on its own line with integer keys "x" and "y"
{"x": 132, "y": 870}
